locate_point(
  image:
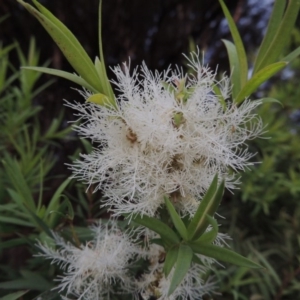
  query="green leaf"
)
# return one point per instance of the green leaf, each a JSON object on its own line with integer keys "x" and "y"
{"x": 3, "y": 18}
{"x": 222, "y": 254}
{"x": 12, "y": 243}
{"x": 159, "y": 242}
{"x": 234, "y": 67}
{"x": 67, "y": 42}
{"x": 5, "y": 50}
{"x": 70, "y": 212}
{"x": 183, "y": 263}
{"x": 157, "y": 226}
{"x": 40, "y": 224}
{"x": 290, "y": 57}
{"x": 197, "y": 260}
{"x": 100, "y": 99}
{"x": 269, "y": 100}
{"x": 63, "y": 211}
{"x": 14, "y": 296}
{"x": 16, "y": 177}
{"x": 66, "y": 75}
{"x": 107, "y": 90}
{"x": 179, "y": 225}
{"x": 15, "y": 221}
{"x": 178, "y": 119}
{"x": 170, "y": 260}
{"x": 272, "y": 28}
{"x": 207, "y": 206}
{"x": 49, "y": 295}
{"x": 168, "y": 87}
{"x": 258, "y": 79}
{"x": 281, "y": 37}
{"x": 99, "y": 69}
{"x": 54, "y": 202}
{"x": 209, "y": 236}
{"x": 33, "y": 282}
{"x": 242, "y": 58}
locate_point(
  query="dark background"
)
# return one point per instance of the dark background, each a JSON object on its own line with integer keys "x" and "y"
{"x": 156, "y": 31}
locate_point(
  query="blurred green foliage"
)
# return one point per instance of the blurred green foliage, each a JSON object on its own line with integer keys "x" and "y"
{"x": 263, "y": 216}
{"x": 26, "y": 160}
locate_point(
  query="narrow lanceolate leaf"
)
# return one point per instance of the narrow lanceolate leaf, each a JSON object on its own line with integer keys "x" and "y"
{"x": 208, "y": 206}
{"x": 234, "y": 67}
{"x": 290, "y": 57}
{"x": 272, "y": 28}
{"x": 66, "y": 205}
{"x": 238, "y": 44}
{"x": 67, "y": 42}
{"x": 54, "y": 202}
{"x": 159, "y": 242}
{"x": 170, "y": 260}
{"x": 14, "y": 296}
{"x": 223, "y": 254}
{"x": 14, "y": 173}
{"x": 183, "y": 263}
{"x": 179, "y": 225}
{"x": 258, "y": 79}
{"x": 100, "y": 99}
{"x": 66, "y": 75}
{"x": 197, "y": 260}
{"x": 282, "y": 35}
{"x": 107, "y": 86}
{"x": 40, "y": 223}
{"x": 269, "y": 100}
{"x": 210, "y": 236}
{"x": 157, "y": 226}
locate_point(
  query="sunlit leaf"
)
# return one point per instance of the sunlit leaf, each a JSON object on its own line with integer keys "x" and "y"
{"x": 100, "y": 99}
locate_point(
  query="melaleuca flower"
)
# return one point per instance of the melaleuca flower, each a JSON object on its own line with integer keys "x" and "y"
{"x": 170, "y": 134}
{"x": 92, "y": 269}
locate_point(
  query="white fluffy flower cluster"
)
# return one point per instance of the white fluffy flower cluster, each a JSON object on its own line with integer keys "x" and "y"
{"x": 169, "y": 135}
{"x": 90, "y": 270}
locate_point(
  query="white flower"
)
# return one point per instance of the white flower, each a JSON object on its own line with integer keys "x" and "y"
{"x": 91, "y": 269}
{"x": 164, "y": 140}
